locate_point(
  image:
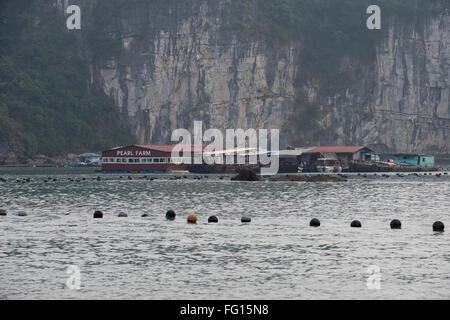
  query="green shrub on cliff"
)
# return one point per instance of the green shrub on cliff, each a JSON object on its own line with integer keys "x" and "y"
{"x": 45, "y": 104}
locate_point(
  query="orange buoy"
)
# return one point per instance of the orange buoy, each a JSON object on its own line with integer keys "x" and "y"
{"x": 192, "y": 218}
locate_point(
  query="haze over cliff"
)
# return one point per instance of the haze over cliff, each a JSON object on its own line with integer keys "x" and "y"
{"x": 309, "y": 68}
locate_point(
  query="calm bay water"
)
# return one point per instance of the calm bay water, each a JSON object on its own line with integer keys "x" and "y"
{"x": 276, "y": 256}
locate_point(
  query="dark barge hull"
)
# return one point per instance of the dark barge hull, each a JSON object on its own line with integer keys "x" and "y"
{"x": 219, "y": 168}
{"x": 223, "y": 169}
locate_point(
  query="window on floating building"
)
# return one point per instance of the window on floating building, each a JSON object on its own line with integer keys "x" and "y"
{"x": 180, "y": 160}
{"x": 198, "y": 159}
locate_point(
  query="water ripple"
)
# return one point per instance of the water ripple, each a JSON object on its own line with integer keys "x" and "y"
{"x": 276, "y": 256}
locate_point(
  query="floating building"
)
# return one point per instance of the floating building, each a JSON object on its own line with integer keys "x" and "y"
{"x": 147, "y": 158}
{"x": 141, "y": 158}
{"x": 414, "y": 160}
{"x": 339, "y": 155}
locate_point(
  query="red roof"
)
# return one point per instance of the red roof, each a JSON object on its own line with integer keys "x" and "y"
{"x": 336, "y": 149}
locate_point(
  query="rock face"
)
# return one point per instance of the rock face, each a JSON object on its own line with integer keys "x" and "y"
{"x": 404, "y": 104}
{"x": 194, "y": 70}
{"x": 168, "y": 67}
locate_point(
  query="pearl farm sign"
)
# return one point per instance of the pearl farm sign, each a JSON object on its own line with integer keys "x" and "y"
{"x": 135, "y": 153}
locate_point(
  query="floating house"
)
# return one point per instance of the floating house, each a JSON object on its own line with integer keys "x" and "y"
{"x": 147, "y": 158}
{"x": 162, "y": 158}
{"x": 89, "y": 156}
{"x": 414, "y": 160}
{"x": 289, "y": 160}
{"x": 346, "y": 153}
{"x": 342, "y": 154}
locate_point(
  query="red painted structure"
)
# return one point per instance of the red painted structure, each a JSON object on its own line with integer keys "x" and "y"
{"x": 147, "y": 158}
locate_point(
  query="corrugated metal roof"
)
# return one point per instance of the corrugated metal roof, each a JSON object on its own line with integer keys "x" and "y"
{"x": 304, "y": 149}
{"x": 241, "y": 151}
{"x": 412, "y": 155}
{"x": 296, "y": 152}
{"x": 336, "y": 149}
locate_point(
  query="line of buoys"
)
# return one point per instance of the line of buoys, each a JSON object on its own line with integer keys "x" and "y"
{"x": 98, "y": 214}
{"x": 355, "y": 224}
{"x": 170, "y": 215}
{"x": 192, "y": 218}
{"x": 395, "y": 224}
{"x": 213, "y": 219}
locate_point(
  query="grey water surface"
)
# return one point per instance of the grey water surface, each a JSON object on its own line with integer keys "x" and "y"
{"x": 276, "y": 256}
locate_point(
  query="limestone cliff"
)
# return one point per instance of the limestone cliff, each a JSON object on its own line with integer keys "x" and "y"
{"x": 173, "y": 62}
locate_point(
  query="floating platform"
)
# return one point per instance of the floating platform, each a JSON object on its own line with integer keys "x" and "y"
{"x": 378, "y": 167}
